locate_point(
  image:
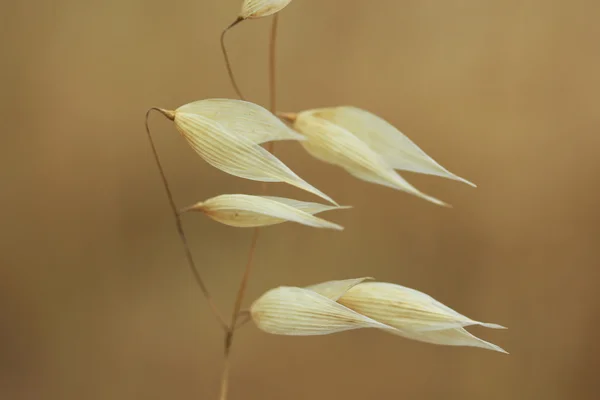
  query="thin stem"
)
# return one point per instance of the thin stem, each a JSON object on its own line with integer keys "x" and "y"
{"x": 272, "y": 78}
{"x": 242, "y": 290}
{"x": 273, "y": 64}
{"x": 236, "y": 313}
{"x": 226, "y": 57}
{"x": 182, "y": 237}
{"x": 256, "y": 234}
{"x": 225, "y": 380}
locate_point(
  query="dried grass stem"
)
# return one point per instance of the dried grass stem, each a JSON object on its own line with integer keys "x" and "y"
{"x": 256, "y": 234}
{"x": 227, "y": 62}
{"x": 180, "y": 231}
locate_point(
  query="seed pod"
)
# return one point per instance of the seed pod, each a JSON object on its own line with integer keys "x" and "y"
{"x": 262, "y": 8}
{"x": 225, "y": 146}
{"x": 241, "y": 210}
{"x": 392, "y": 145}
{"x": 336, "y": 145}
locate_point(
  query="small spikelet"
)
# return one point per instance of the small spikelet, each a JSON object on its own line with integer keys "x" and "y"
{"x": 392, "y": 145}
{"x": 243, "y": 118}
{"x": 336, "y": 145}
{"x": 242, "y": 210}
{"x": 297, "y": 311}
{"x": 400, "y": 307}
{"x": 262, "y": 8}
{"x": 230, "y": 151}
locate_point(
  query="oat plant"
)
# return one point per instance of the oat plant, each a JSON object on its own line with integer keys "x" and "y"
{"x": 229, "y": 134}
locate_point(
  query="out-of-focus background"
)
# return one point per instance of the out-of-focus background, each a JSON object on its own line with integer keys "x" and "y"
{"x": 96, "y": 301}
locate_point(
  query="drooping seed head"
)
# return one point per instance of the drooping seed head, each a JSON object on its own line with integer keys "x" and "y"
{"x": 393, "y": 146}
{"x": 226, "y": 134}
{"x": 336, "y": 145}
{"x": 242, "y": 210}
{"x": 337, "y": 306}
{"x": 404, "y": 308}
{"x": 243, "y": 118}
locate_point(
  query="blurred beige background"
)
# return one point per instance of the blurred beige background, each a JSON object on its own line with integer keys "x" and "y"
{"x": 96, "y": 301}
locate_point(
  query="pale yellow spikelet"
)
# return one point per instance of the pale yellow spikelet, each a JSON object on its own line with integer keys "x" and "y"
{"x": 386, "y": 140}
{"x": 242, "y": 210}
{"x": 297, "y": 311}
{"x": 404, "y": 308}
{"x": 243, "y": 118}
{"x": 414, "y": 315}
{"x": 336, "y": 145}
{"x": 393, "y": 308}
{"x": 230, "y": 151}
{"x": 262, "y": 8}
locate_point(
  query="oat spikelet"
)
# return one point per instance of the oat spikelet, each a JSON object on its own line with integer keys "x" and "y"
{"x": 302, "y": 312}
{"x": 262, "y": 8}
{"x": 242, "y": 210}
{"x": 336, "y": 145}
{"x": 386, "y": 140}
{"x": 392, "y": 308}
{"x": 243, "y": 118}
{"x": 229, "y": 150}
{"x": 400, "y": 307}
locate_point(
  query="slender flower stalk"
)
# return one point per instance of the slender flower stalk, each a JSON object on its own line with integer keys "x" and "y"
{"x": 238, "y": 92}
{"x": 256, "y": 234}
{"x": 181, "y": 232}
{"x": 273, "y": 66}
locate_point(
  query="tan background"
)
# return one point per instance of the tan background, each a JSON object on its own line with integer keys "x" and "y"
{"x": 96, "y": 301}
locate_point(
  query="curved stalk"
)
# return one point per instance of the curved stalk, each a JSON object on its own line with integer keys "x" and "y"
{"x": 180, "y": 231}
{"x": 227, "y": 62}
